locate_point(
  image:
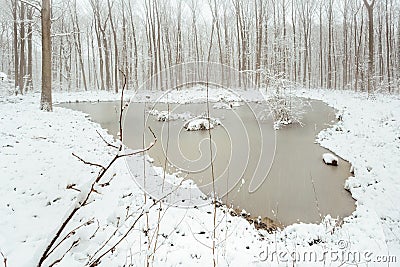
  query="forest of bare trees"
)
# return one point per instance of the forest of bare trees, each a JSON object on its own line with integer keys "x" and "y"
{"x": 341, "y": 44}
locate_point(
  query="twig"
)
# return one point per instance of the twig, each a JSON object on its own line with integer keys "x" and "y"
{"x": 155, "y": 234}
{"x": 4, "y": 259}
{"x": 97, "y": 261}
{"x": 141, "y": 150}
{"x": 214, "y": 252}
{"x": 97, "y": 229}
{"x": 87, "y": 162}
{"x": 172, "y": 231}
{"x": 316, "y": 198}
{"x": 106, "y": 242}
{"x": 86, "y": 199}
{"x": 105, "y": 141}
{"x": 109, "y": 181}
{"x": 48, "y": 250}
{"x": 143, "y": 212}
{"x": 71, "y": 233}
{"x": 122, "y": 106}
{"x": 64, "y": 33}
{"x": 72, "y": 186}
{"x": 144, "y": 187}
{"x": 62, "y": 257}
{"x": 38, "y": 8}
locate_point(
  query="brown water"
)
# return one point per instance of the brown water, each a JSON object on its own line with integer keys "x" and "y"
{"x": 275, "y": 174}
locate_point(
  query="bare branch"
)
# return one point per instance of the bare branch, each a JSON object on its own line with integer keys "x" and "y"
{"x": 71, "y": 233}
{"x": 4, "y": 259}
{"x": 106, "y": 242}
{"x": 105, "y": 141}
{"x": 143, "y": 212}
{"x": 72, "y": 186}
{"x": 34, "y": 5}
{"x": 64, "y": 34}
{"x": 122, "y": 106}
{"x": 75, "y": 243}
{"x": 86, "y": 198}
{"x": 109, "y": 181}
{"x": 87, "y": 162}
{"x": 141, "y": 150}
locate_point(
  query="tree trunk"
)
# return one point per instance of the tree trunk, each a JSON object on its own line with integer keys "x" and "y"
{"x": 30, "y": 78}
{"x": 115, "y": 47}
{"x": 15, "y": 35}
{"x": 78, "y": 44}
{"x": 388, "y": 50}
{"x": 46, "y": 101}
{"x": 370, "y": 10}
{"x": 329, "y": 79}
{"x": 21, "y": 79}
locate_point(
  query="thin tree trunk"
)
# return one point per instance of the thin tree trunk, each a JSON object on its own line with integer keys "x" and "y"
{"x": 115, "y": 47}
{"x": 78, "y": 45}
{"x": 15, "y": 41}
{"x": 30, "y": 76}
{"x": 370, "y": 10}
{"x": 22, "y": 62}
{"x": 46, "y": 101}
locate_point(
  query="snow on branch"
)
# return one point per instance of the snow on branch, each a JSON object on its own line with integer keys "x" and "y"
{"x": 35, "y": 4}
{"x": 85, "y": 194}
{"x": 284, "y": 107}
{"x": 64, "y": 34}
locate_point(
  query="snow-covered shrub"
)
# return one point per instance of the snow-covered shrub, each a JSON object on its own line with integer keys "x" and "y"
{"x": 285, "y": 108}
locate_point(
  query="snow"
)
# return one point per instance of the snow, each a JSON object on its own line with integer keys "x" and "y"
{"x": 330, "y": 159}
{"x": 36, "y": 168}
{"x": 3, "y": 76}
{"x": 201, "y": 123}
{"x": 166, "y": 115}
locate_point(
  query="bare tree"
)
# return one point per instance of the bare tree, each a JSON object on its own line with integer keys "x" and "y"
{"x": 370, "y": 10}
{"x": 78, "y": 44}
{"x": 21, "y": 78}
{"x": 329, "y": 60}
{"x": 115, "y": 46}
{"x": 15, "y": 42}
{"x": 30, "y": 12}
{"x": 46, "y": 101}
{"x": 320, "y": 43}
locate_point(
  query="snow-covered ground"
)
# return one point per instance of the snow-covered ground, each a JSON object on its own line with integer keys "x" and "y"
{"x": 37, "y": 166}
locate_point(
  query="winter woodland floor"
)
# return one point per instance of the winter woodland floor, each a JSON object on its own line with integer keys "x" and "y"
{"x": 36, "y": 166}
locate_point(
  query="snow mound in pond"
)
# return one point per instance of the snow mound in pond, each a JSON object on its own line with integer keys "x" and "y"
{"x": 224, "y": 105}
{"x": 330, "y": 159}
{"x": 201, "y": 123}
{"x": 164, "y": 115}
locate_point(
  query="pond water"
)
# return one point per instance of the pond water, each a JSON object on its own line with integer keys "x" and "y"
{"x": 277, "y": 174}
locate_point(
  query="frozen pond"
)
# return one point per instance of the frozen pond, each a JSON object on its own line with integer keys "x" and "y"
{"x": 296, "y": 179}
